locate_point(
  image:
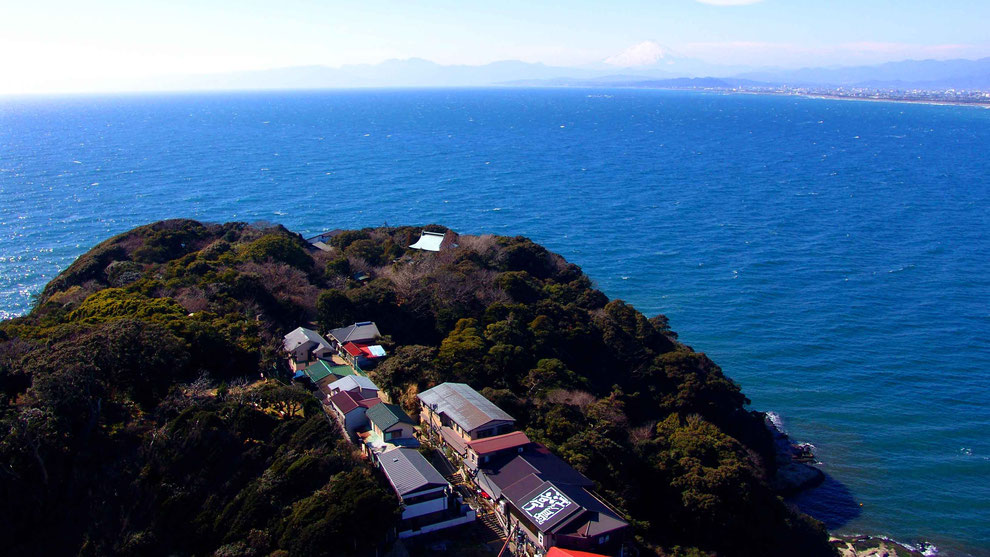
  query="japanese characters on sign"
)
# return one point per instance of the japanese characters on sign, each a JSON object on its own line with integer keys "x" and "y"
{"x": 546, "y": 505}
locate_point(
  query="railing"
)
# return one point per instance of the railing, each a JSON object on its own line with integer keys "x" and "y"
{"x": 603, "y": 501}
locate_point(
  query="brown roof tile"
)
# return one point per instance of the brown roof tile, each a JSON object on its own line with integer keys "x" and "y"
{"x": 499, "y": 443}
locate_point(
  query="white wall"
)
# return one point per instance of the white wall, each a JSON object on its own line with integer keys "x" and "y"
{"x": 469, "y": 517}
{"x": 406, "y": 429}
{"x": 425, "y": 507}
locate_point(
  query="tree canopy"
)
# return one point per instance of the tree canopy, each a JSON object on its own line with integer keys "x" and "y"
{"x": 131, "y": 395}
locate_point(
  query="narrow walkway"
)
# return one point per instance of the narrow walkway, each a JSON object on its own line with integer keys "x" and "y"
{"x": 489, "y": 527}
{"x": 492, "y": 527}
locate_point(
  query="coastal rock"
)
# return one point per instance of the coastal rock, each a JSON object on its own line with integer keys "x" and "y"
{"x": 867, "y": 546}
{"x": 796, "y": 476}
{"x": 794, "y": 473}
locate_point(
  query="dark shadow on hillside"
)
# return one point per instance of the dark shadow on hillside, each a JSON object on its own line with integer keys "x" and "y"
{"x": 831, "y": 502}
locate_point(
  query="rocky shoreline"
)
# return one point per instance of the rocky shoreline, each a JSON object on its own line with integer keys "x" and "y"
{"x": 795, "y": 472}
{"x": 870, "y": 546}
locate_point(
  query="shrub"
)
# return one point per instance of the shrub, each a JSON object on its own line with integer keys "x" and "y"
{"x": 277, "y": 248}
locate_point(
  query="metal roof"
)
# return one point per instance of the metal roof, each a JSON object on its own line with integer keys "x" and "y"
{"x": 352, "y": 382}
{"x": 550, "y": 492}
{"x": 320, "y": 370}
{"x": 303, "y": 336}
{"x": 453, "y": 439}
{"x": 408, "y": 471}
{"x": 597, "y": 519}
{"x": 464, "y": 405}
{"x": 536, "y": 461}
{"x": 363, "y": 331}
{"x": 358, "y": 349}
{"x": 562, "y": 508}
{"x": 347, "y": 401}
{"x": 499, "y": 443}
{"x": 386, "y": 415}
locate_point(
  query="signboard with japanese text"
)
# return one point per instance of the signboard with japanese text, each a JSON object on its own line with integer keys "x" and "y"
{"x": 548, "y": 504}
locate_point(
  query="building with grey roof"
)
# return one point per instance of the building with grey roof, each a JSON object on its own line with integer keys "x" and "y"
{"x": 361, "y": 383}
{"x": 459, "y": 414}
{"x": 410, "y": 473}
{"x": 305, "y": 347}
{"x": 429, "y": 503}
{"x": 363, "y": 332}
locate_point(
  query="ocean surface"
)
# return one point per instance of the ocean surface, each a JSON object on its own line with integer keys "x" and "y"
{"x": 832, "y": 256}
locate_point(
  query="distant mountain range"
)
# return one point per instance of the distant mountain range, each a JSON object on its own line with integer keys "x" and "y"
{"x": 413, "y": 72}
{"x": 920, "y": 74}
{"x": 661, "y": 72}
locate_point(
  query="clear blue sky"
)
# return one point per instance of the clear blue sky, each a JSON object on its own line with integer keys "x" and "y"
{"x": 41, "y": 40}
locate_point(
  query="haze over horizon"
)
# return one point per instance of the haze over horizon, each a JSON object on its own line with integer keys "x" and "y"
{"x": 62, "y": 46}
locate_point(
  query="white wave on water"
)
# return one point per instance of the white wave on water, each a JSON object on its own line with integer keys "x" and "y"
{"x": 927, "y": 549}
{"x": 898, "y": 270}
{"x": 775, "y": 420}
{"x": 923, "y": 547}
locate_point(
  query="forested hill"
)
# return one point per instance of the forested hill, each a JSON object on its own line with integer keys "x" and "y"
{"x": 134, "y": 420}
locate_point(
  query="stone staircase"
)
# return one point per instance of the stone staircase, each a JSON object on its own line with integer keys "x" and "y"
{"x": 491, "y": 526}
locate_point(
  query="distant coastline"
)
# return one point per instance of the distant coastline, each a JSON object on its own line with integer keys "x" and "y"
{"x": 979, "y": 104}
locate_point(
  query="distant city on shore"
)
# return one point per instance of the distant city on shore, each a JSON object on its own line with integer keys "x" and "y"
{"x": 958, "y": 81}
{"x": 931, "y": 96}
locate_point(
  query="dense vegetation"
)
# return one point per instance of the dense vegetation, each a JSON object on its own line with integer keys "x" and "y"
{"x": 129, "y": 425}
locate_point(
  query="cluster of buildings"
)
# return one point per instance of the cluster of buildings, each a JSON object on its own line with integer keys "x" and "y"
{"x": 540, "y": 499}
{"x": 542, "y": 503}
{"x": 355, "y": 345}
{"x": 385, "y": 433}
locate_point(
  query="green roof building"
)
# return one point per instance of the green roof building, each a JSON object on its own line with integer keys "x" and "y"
{"x": 390, "y": 422}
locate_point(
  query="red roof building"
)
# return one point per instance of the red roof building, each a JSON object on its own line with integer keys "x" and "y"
{"x": 352, "y": 349}
{"x": 346, "y": 401}
{"x": 362, "y": 353}
{"x": 480, "y": 451}
{"x": 498, "y": 443}
{"x": 351, "y": 408}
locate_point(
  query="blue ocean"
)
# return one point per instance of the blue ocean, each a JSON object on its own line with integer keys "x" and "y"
{"x": 832, "y": 256}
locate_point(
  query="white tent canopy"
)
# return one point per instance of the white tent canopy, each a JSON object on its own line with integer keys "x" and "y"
{"x": 429, "y": 241}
